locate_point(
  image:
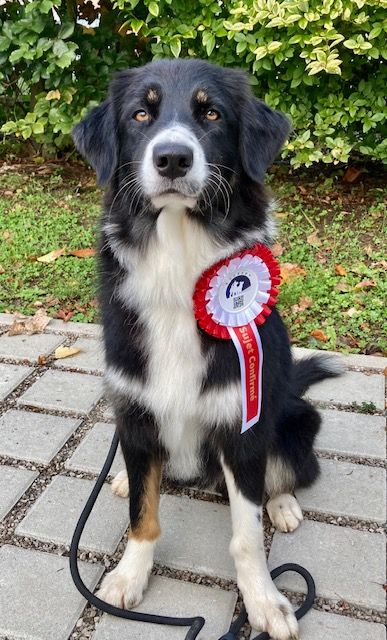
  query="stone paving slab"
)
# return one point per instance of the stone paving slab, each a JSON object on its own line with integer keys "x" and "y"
{"x": 13, "y": 483}
{"x": 352, "y": 434}
{"x": 38, "y": 600}
{"x": 64, "y": 391}
{"x": 90, "y": 358}
{"x": 346, "y": 564}
{"x": 24, "y": 347}
{"x": 354, "y": 360}
{"x": 52, "y": 518}
{"x": 353, "y": 386}
{"x": 347, "y": 489}
{"x": 11, "y": 375}
{"x": 92, "y": 452}
{"x": 173, "y": 598}
{"x": 187, "y": 536}
{"x": 316, "y": 625}
{"x": 37, "y": 437}
{"x": 83, "y": 329}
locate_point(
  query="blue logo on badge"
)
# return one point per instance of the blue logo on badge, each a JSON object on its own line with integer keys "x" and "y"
{"x": 237, "y": 285}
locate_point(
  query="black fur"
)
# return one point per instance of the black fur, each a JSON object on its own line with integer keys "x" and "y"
{"x": 242, "y": 145}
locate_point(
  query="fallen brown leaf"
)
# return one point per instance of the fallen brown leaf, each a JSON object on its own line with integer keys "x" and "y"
{"x": 44, "y": 171}
{"x": 290, "y": 271}
{"x": 351, "y": 174}
{"x": 277, "y": 249}
{"x": 29, "y": 325}
{"x": 303, "y": 304}
{"x": 52, "y": 256}
{"x": 365, "y": 284}
{"x": 340, "y": 270}
{"x": 343, "y": 287}
{"x": 313, "y": 239}
{"x": 65, "y": 352}
{"x": 82, "y": 253}
{"x": 319, "y": 335}
{"x": 51, "y": 302}
{"x": 64, "y": 315}
{"x": 42, "y": 360}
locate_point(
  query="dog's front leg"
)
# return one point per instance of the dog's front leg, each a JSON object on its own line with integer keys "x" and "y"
{"x": 267, "y": 609}
{"x": 125, "y": 585}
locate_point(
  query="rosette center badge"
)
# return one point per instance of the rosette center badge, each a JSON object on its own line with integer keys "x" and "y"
{"x": 238, "y": 291}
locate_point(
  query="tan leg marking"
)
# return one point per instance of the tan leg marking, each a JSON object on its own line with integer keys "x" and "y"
{"x": 125, "y": 585}
{"x": 148, "y": 527}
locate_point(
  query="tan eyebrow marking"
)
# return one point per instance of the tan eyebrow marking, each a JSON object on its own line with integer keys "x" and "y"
{"x": 202, "y": 96}
{"x": 152, "y": 96}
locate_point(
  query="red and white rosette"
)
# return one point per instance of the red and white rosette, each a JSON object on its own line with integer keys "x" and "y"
{"x": 231, "y": 299}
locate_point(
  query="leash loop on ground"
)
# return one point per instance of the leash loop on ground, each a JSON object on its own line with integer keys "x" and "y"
{"x": 195, "y": 623}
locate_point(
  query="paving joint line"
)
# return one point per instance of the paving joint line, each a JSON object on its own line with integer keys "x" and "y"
{"x": 359, "y": 460}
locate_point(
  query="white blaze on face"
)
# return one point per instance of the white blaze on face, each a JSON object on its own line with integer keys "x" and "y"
{"x": 188, "y": 187}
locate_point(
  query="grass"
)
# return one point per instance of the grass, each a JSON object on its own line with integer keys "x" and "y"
{"x": 38, "y": 214}
{"x": 331, "y": 245}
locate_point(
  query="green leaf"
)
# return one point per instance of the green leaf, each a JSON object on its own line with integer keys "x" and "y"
{"x": 241, "y": 46}
{"x": 260, "y": 52}
{"x": 136, "y": 25}
{"x": 175, "y": 46}
{"x": 4, "y": 43}
{"x": 65, "y": 60}
{"x": 66, "y": 30}
{"x": 17, "y": 55}
{"x": 38, "y": 127}
{"x": 153, "y": 9}
{"x": 59, "y": 48}
{"x": 209, "y": 41}
{"x": 26, "y": 132}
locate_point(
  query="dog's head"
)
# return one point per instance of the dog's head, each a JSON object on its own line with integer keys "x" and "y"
{"x": 182, "y": 131}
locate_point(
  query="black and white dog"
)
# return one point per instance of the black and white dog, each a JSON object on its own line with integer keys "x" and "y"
{"x": 183, "y": 147}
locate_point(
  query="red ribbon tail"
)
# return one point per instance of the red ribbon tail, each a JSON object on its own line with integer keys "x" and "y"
{"x": 247, "y": 342}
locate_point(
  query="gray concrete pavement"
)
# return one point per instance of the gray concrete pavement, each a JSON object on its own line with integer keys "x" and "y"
{"x": 55, "y": 430}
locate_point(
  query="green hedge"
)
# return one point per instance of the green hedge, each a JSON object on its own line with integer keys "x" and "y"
{"x": 320, "y": 61}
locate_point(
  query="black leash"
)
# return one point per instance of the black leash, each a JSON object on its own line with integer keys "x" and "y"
{"x": 195, "y": 623}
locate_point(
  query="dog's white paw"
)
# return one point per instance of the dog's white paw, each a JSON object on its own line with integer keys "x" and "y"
{"x": 122, "y": 590}
{"x": 120, "y": 484}
{"x": 274, "y": 614}
{"x": 284, "y": 512}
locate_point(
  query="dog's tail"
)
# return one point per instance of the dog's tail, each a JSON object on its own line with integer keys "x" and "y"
{"x": 314, "y": 369}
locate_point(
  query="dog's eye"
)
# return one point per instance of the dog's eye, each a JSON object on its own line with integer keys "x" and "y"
{"x": 212, "y": 114}
{"x": 141, "y": 116}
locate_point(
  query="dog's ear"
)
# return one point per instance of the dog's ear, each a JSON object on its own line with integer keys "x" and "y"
{"x": 95, "y": 139}
{"x": 263, "y": 132}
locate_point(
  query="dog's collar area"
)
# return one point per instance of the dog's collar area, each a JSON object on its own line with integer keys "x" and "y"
{"x": 196, "y": 623}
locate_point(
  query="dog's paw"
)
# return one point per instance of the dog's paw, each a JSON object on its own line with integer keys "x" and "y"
{"x": 122, "y": 590}
{"x": 120, "y": 484}
{"x": 284, "y": 512}
{"x": 274, "y": 614}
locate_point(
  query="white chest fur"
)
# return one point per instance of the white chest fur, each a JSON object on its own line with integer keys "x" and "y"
{"x": 160, "y": 284}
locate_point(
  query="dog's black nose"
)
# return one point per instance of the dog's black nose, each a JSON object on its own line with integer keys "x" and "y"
{"x": 172, "y": 160}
